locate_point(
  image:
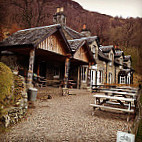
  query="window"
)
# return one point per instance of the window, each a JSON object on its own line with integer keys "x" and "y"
{"x": 128, "y": 78}
{"x": 122, "y": 79}
{"x": 84, "y": 73}
{"x": 101, "y": 77}
{"x": 111, "y": 58}
{"x": 110, "y": 78}
{"x": 94, "y": 51}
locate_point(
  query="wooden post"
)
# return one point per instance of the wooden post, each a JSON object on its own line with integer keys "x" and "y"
{"x": 78, "y": 78}
{"x": 31, "y": 67}
{"x": 88, "y": 75}
{"x": 67, "y": 66}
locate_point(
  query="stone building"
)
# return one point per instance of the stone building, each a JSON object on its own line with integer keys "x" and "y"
{"x": 109, "y": 51}
{"x": 64, "y": 56}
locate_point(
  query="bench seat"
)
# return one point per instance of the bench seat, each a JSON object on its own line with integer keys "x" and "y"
{"x": 112, "y": 108}
{"x": 114, "y": 98}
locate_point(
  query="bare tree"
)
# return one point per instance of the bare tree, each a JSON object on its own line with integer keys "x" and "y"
{"x": 31, "y": 12}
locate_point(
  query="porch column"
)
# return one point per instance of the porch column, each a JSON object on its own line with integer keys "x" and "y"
{"x": 30, "y": 71}
{"x": 67, "y": 66}
{"x": 88, "y": 76}
{"x": 78, "y": 78}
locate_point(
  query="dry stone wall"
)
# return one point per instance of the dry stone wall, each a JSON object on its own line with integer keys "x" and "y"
{"x": 14, "y": 113}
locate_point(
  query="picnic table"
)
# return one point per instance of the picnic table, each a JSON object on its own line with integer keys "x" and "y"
{"x": 126, "y": 103}
{"x": 120, "y": 100}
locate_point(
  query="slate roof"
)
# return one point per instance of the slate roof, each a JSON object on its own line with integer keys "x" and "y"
{"x": 90, "y": 39}
{"x": 124, "y": 72}
{"x": 106, "y": 49}
{"x": 119, "y": 54}
{"x": 126, "y": 58}
{"x": 102, "y": 55}
{"x": 31, "y": 36}
{"x": 71, "y": 34}
{"x": 116, "y": 61}
{"x": 76, "y": 43}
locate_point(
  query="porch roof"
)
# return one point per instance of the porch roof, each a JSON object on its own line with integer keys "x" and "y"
{"x": 33, "y": 36}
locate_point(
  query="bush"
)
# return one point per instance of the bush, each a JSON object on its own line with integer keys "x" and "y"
{"x": 6, "y": 85}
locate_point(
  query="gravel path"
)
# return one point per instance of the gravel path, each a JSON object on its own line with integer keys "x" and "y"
{"x": 67, "y": 118}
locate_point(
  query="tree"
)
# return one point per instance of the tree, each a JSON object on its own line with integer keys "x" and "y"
{"x": 31, "y": 12}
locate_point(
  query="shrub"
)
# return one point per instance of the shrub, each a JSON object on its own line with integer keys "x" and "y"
{"x": 6, "y": 85}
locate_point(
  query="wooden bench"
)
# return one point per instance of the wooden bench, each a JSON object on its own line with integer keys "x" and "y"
{"x": 112, "y": 108}
{"x": 121, "y": 102}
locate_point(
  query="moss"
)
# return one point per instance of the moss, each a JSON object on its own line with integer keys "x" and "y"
{"x": 6, "y": 85}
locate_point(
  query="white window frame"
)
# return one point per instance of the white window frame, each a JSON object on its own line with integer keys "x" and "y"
{"x": 111, "y": 58}
{"x": 128, "y": 78}
{"x": 110, "y": 78}
{"x": 122, "y": 80}
{"x": 100, "y": 76}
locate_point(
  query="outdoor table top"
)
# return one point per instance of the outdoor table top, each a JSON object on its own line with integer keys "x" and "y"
{"x": 120, "y": 93}
{"x": 123, "y": 90}
{"x": 128, "y": 87}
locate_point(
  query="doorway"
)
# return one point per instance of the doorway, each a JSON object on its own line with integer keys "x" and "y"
{"x": 93, "y": 77}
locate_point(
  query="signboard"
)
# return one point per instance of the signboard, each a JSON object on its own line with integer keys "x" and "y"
{"x": 125, "y": 137}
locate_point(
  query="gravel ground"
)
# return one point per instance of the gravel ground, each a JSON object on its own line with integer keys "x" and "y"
{"x": 67, "y": 118}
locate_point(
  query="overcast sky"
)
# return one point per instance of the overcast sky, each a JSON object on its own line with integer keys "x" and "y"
{"x": 124, "y": 8}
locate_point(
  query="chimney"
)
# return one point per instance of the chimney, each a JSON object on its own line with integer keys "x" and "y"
{"x": 86, "y": 32}
{"x": 59, "y": 17}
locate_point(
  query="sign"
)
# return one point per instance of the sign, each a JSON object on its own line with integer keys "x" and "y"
{"x": 125, "y": 137}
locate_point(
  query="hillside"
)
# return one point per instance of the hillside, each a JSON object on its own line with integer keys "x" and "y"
{"x": 15, "y": 15}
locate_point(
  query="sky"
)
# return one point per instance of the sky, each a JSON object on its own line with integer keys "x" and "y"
{"x": 124, "y": 8}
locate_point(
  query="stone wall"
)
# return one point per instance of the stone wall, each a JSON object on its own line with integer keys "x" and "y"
{"x": 117, "y": 72}
{"x": 15, "y": 112}
{"x": 101, "y": 66}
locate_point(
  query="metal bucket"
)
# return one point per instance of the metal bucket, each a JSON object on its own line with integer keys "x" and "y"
{"x": 32, "y": 94}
